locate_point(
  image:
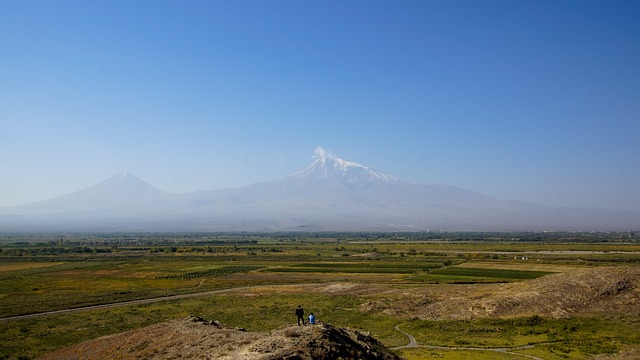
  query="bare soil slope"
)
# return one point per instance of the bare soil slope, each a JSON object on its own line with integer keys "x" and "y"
{"x": 194, "y": 338}
{"x": 611, "y": 290}
{"x": 607, "y": 290}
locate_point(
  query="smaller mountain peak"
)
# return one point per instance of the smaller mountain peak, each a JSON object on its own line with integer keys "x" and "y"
{"x": 124, "y": 175}
{"x": 126, "y": 180}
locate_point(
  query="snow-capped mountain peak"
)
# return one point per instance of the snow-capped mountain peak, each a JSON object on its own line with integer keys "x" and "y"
{"x": 328, "y": 165}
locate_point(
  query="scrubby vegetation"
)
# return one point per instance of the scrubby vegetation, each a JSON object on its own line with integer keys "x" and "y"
{"x": 48, "y": 272}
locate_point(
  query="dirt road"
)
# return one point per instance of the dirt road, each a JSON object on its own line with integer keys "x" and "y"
{"x": 414, "y": 344}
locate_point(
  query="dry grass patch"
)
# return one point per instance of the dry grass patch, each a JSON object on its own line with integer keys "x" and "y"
{"x": 521, "y": 265}
{"x": 26, "y": 266}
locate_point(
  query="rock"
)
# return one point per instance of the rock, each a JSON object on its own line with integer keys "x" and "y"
{"x": 188, "y": 339}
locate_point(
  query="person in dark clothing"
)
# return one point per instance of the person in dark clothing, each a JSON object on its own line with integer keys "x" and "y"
{"x": 300, "y": 314}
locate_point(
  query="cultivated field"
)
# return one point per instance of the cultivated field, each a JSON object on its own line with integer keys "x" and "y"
{"x": 460, "y": 296}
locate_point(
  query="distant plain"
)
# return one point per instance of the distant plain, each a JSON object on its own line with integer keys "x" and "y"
{"x": 367, "y": 281}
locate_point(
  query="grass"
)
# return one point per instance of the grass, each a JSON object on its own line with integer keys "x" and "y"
{"x": 40, "y": 286}
{"x": 257, "y": 312}
{"x": 350, "y": 268}
{"x": 494, "y": 273}
{"x": 263, "y": 310}
{"x": 40, "y": 289}
{"x": 31, "y": 284}
{"x": 566, "y": 338}
{"x": 425, "y": 353}
{"x": 213, "y": 272}
{"x": 476, "y": 275}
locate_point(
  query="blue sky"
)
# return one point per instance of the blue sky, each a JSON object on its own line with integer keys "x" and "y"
{"x": 537, "y": 101}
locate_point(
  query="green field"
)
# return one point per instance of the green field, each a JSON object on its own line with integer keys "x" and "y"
{"x": 361, "y": 267}
{"x": 476, "y": 275}
{"x": 41, "y": 273}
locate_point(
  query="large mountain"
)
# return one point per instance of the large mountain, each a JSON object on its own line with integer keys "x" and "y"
{"x": 331, "y": 194}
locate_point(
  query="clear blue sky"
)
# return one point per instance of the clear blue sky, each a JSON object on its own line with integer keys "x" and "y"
{"x": 530, "y": 100}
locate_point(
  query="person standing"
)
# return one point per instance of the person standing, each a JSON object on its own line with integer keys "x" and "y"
{"x": 300, "y": 314}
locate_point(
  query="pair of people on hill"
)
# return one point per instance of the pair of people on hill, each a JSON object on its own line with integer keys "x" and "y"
{"x": 300, "y": 315}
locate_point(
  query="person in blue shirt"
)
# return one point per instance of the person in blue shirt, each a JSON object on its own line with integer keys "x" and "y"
{"x": 312, "y": 319}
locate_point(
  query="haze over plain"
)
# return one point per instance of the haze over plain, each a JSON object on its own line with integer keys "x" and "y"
{"x": 533, "y": 100}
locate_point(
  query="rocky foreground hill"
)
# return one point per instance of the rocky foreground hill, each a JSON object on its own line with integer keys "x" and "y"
{"x": 195, "y": 338}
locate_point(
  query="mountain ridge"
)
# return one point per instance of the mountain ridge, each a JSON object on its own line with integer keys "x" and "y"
{"x": 331, "y": 194}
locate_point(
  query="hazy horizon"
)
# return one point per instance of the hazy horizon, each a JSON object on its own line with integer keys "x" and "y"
{"x": 534, "y": 101}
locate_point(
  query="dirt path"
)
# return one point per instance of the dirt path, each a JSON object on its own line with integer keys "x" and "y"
{"x": 414, "y": 344}
{"x": 147, "y": 301}
{"x": 412, "y": 341}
